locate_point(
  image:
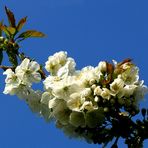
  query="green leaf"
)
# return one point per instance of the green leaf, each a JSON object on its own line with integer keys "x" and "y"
{"x": 30, "y": 33}
{"x": 5, "y": 30}
{"x": 8, "y": 30}
{"x": 11, "y": 30}
{"x": 11, "y": 17}
{"x": 1, "y": 56}
{"x": 21, "y": 23}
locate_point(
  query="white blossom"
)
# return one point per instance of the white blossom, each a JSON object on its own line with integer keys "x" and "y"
{"x": 98, "y": 91}
{"x": 140, "y": 91}
{"x": 86, "y": 92}
{"x": 46, "y": 97}
{"x": 129, "y": 90}
{"x": 12, "y": 82}
{"x": 130, "y": 75}
{"x": 33, "y": 99}
{"x": 88, "y": 105}
{"x": 65, "y": 88}
{"x": 117, "y": 85}
{"x": 55, "y": 62}
{"x": 76, "y": 98}
{"x": 50, "y": 82}
{"x": 67, "y": 69}
{"x": 27, "y": 71}
{"x": 75, "y": 102}
{"x": 61, "y": 112}
{"x": 106, "y": 94}
{"x": 53, "y": 102}
{"x": 88, "y": 74}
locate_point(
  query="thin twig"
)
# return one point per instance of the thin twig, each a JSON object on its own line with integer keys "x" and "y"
{"x": 6, "y": 67}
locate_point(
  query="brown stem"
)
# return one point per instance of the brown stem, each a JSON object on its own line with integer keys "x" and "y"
{"x": 42, "y": 73}
{"x": 6, "y": 67}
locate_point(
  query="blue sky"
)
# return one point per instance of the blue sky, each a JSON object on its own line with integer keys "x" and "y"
{"x": 90, "y": 31}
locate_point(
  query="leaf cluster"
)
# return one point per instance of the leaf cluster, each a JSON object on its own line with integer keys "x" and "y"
{"x": 13, "y": 36}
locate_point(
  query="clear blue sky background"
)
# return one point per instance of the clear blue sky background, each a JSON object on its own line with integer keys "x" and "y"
{"x": 90, "y": 31}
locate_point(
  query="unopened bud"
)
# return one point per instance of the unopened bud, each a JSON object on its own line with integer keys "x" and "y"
{"x": 92, "y": 81}
{"x": 15, "y": 45}
{"x": 6, "y": 41}
{"x": 102, "y": 66}
{"x": 121, "y": 101}
{"x": 93, "y": 86}
{"x": 96, "y": 99}
{"x": 97, "y": 91}
{"x": 1, "y": 39}
{"x": 86, "y": 92}
{"x": 112, "y": 101}
{"x": 106, "y": 109}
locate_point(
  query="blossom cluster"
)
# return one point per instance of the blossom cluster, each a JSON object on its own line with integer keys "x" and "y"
{"x": 24, "y": 75}
{"x": 19, "y": 82}
{"x": 78, "y": 98}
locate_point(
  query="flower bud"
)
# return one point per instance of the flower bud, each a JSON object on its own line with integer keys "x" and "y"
{"x": 106, "y": 109}
{"x": 1, "y": 39}
{"x": 15, "y": 45}
{"x": 112, "y": 101}
{"x": 96, "y": 99}
{"x": 97, "y": 91}
{"x": 121, "y": 101}
{"x": 93, "y": 86}
{"x": 92, "y": 81}
{"x": 6, "y": 41}
{"x": 86, "y": 92}
{"x": 102, "y": 66}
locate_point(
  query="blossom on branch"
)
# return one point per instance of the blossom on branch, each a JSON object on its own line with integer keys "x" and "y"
{"x": 79, "y": 100}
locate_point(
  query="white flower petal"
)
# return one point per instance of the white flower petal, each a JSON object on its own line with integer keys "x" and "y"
{"x": 102, "y": 66}
{"x": 106, "y": 94}
{"x": 8, "y": 72}
{"x": 34, "y": 66}
{"x": 25, "y": 63}
{"x": 46, "y": 97}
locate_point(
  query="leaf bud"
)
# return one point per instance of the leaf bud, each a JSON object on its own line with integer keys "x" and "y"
{"x": 106, "y": 109}
{"x": 6, "y": 41}
{"x": 2, "y": 39}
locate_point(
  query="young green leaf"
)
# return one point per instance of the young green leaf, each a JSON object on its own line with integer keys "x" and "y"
{"x": 31, "y": 33}
{"x": 11, "y": 17}
{"x": 5, "y": 30}
{"x": 11, "y": 30}
{"x": 1, "y": 56}
{"x": 21, "y": 23}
